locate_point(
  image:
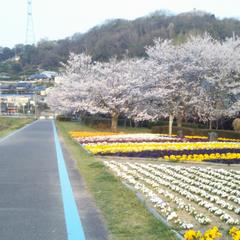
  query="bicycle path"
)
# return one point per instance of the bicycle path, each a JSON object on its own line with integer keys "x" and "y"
{"x": 36, "y": 197}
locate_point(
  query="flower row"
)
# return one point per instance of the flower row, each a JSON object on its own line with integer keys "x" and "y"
{"x": 85, "y": 136}
{"x": 175, "y": 182}
{"x": 109, "y": 140}
{"x": 211, "y": 234}
{"x": 190, "y": 148}
{"x": 162, "y": 206}
{"x": 204, "y": 157}
{"x": 200, "y": 198}
{"x": 222, "y": 139}
{"x": 139, "y": 147}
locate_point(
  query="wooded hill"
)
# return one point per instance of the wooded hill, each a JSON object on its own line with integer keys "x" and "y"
{"x": 116, "y": 37}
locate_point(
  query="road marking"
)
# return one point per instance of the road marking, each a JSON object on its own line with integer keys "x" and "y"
{"x": 72, "y": 219}
{"x": 17, "y": 131}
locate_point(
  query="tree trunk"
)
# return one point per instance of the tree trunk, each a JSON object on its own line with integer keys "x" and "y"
{"x": 221, "y": 124}
{"x": 210, "y": 124}
{"x": 179, "y": 121}
{"x": 130, "y": 123}
{"x": 125, "y": 122}
{"x": 171, "y": 117}
{"x": 114, "y": 122}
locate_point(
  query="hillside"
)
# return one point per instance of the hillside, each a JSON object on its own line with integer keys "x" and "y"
{"x": 114, "y": 37}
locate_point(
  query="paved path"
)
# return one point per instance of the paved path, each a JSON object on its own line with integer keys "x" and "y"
{"x": 31, "y": 195}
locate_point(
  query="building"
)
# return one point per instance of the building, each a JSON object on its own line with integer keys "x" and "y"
{"x": 22, "y": 97}
{"x": 37, "y": 76}
{"x": 13, "y": 103}
{"x": 43, "y": 76}
{"x": 50, "y": 74}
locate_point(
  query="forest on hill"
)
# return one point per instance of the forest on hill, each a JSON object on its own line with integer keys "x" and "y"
{"x": 117, "y": 37}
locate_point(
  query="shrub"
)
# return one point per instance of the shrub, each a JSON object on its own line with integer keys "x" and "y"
{"x": 64, "y": 118}
{"x": 196, "y": 131}
{"x": 236, "y": 124}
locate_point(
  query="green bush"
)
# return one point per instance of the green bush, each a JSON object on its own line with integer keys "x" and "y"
{"x": 64, "y": 118}
{"x": 196, "y": 131}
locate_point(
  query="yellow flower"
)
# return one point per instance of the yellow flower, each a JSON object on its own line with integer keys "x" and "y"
{"x": 233, "y": 230}
{"x": 172, "y": 157}
{"x": 235, "y": 233}
{"x": 212, "y": 234}
{"x": 82, "y": 134}
{"x": 190, "y": 235}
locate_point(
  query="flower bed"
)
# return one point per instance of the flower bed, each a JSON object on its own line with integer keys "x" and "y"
{"x": 211, "y": 234}
{"x": 188, "y": 197}
{"x": 83, "y": 134}
{"x": 189, "y": 148}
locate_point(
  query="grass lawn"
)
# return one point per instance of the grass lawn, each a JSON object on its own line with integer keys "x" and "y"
{"x": 125, "y": 216}
{"x": 9, "y": 124}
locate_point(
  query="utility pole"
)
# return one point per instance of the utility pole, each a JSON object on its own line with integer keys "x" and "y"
{"x": 0, "y": 99}
{"x": 35, "y": 99}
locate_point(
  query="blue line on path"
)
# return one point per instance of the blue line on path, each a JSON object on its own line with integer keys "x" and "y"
{"x": 72, "y": 219}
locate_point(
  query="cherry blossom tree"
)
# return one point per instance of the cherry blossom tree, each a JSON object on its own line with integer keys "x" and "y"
{"x": 115, "y": 87}
{"x": 72, "y": 89}
{"x": 109, "y": 87}
{"x": 222, "y": 80}
{"x": 178, "y": 72}
{"x": 195, "y": 79}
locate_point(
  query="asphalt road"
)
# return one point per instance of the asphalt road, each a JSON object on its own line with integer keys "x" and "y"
{"x": 31, "y": 205}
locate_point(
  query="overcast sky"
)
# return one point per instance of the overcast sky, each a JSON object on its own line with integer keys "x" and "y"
{"x": 56, "y": 19}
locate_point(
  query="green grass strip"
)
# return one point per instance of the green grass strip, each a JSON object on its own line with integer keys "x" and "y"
{"x": 126, "y": 217}
{"x": 9, "y": 124}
